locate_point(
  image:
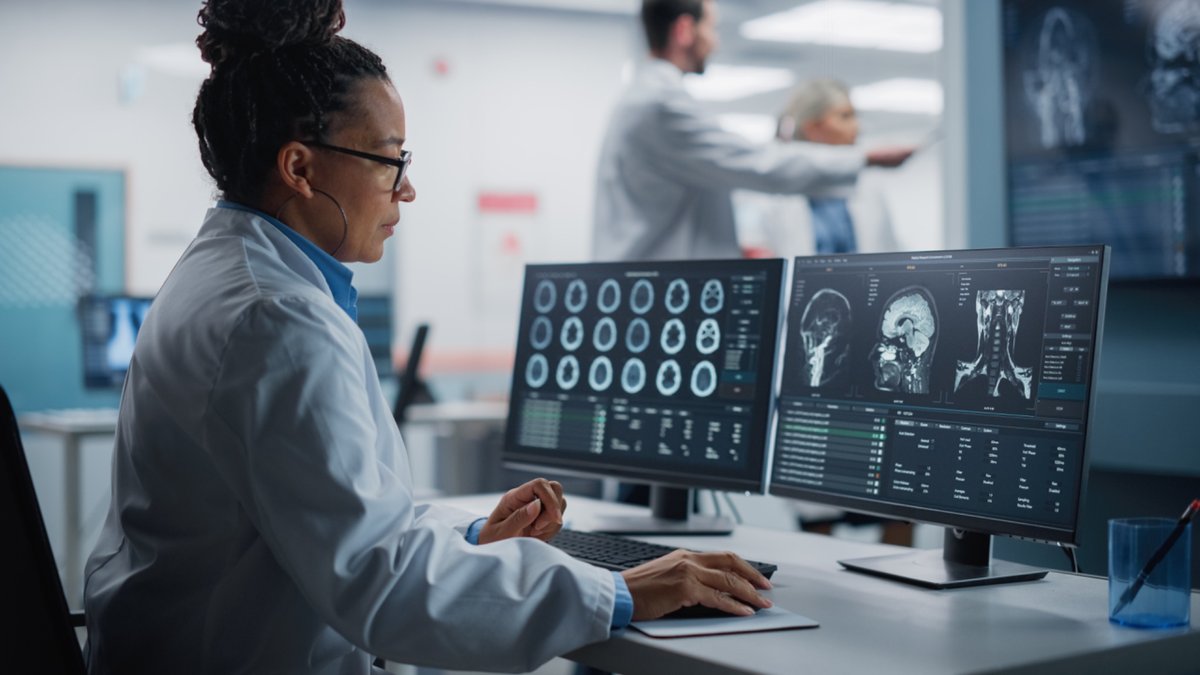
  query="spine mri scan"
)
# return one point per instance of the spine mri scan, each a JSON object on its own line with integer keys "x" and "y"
{"x": 998, "y": 316}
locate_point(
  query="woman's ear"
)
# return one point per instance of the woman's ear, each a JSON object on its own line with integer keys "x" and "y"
{"x": 294, "y": 163}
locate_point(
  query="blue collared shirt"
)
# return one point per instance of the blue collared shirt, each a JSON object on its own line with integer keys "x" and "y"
{"x": 832, "y": 225}
{"x": 623, "y": 605}
{"x": 337, "y": 275}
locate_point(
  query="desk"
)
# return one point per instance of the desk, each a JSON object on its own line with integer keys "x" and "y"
{"x": 872, "y": 625}
{"x": 72, "y": 426}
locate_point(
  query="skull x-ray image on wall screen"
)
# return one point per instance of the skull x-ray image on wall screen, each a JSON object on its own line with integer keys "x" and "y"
{"x": 1102, "y": 126}
{"x": 658, "y": 372}
{"x": 951, "y": 386}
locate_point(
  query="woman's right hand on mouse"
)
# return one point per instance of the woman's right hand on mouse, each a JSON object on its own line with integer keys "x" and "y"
{"x": 685, "y": 578}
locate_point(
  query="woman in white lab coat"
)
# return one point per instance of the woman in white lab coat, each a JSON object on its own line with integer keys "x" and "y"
{"x": 852, "y": 218}
{"x": 262, "y": 515}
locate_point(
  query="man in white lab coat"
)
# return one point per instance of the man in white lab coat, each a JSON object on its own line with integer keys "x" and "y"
{"x": 667, "y": 168}
{"x": 262, "y": 514}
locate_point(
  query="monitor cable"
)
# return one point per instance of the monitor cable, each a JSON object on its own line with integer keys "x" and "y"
{"x": 737, "y": 515}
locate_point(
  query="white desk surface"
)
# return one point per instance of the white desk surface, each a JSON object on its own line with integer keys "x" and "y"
{"x": 873, "y": 625}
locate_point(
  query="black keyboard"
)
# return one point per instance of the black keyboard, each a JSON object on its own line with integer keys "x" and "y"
{"x": 614, "y": 552}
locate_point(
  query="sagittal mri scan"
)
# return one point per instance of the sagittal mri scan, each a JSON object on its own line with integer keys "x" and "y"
{"x": 1058, "y": 84}
{"x": 997, "y": 318}
{"x": 903, "y": 356}
{"x": 825, "y": 329}
{"x": 1174, "y": 54}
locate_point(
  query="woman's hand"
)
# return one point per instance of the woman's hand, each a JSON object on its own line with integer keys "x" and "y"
{"x": 532, "y": 510}
{"x": 687, "y": 578}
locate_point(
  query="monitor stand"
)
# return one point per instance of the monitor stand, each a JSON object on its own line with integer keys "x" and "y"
{"x": 965, "y": 560}
{"x": 670, "y": 513}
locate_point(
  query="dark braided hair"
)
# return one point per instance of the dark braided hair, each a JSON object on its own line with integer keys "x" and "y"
{"x": 279, "y": 73}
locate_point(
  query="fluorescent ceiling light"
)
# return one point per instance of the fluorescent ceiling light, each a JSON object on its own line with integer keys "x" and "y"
{"x": 757, "y": 128}
{"x": 629, "y": 7}
{"x": 901, "y": 94}
{"x": 867, "y": 24}
{"x": 181, "y": 59}
{"x": 727, "y": 83}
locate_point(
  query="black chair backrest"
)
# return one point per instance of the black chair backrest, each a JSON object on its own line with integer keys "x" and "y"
{"x": 37, "y": 622}
{"x": 412, "y": 387}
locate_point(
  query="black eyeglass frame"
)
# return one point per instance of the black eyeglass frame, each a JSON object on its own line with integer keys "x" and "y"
{"x": 401, "y": 163}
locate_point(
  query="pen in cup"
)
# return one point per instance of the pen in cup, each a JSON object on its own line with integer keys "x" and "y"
{"x": 1160, "y": 553}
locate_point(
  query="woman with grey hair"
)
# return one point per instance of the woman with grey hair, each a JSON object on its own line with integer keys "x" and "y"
{"x": 845, "y": 219}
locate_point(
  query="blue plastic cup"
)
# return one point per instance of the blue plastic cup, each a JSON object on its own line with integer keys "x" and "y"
{"x": 1164, "y": 599}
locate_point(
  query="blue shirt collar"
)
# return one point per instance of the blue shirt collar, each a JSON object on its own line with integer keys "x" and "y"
{"x": 337, "y": 275}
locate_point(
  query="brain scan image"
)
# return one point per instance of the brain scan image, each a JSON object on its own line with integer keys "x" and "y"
{"x": 633, "y": 376}
{"x": 704, "y": 379}
{"x": 637, "y": 336}
{"x": 1174, "y": 81}
{"x": 677, "y": 297}
{"x": 903, "y": 356}
{"x": 712, "y": 296}
{"x": 669, "y": 378}
{"x": 567, "y": 375}
{"x": 825, "y": 335}
{"x": 708, "y": 336}
{"x": 609, "y": 297}
{"x": 544, "y": 296}
{"x": 641, "y": 298}
{"x": 604, "y": 337}
{"x": 674, "y": 337}
{"x": 572, "y": 333}
{"x": 541, "y": 333}
{"x": 537, "y": 371}
{"x": 576, "y": 298}
{"x": 997, "y": 318}
{"x": 1058, "y": 83}
{"x": 600, "y": 375}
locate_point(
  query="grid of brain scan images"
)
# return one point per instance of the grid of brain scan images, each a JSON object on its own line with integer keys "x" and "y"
{"x": 665, "y": 362}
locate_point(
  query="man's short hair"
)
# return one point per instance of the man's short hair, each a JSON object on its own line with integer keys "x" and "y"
{"x": 659, "y": 15}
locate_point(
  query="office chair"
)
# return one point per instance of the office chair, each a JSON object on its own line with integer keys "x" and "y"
{"x": 40, "y": 629}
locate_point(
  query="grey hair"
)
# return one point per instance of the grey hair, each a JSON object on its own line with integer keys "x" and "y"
{"x": 810, "y": 101}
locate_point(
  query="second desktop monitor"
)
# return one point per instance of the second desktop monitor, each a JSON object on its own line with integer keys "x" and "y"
{"x": 651, "y": 372}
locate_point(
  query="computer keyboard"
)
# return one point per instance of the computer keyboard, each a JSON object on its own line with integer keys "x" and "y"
{"x": 614, "y": 552}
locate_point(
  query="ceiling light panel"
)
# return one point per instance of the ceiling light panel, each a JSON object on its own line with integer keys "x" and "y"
{"x": 865, "y": 24}
{"x": 901, "y": 94}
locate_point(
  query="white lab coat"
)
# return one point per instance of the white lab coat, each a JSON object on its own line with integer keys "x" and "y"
{"x": 667, "y": 169}
{"x": 783, "y": 224}
{"x": 262, "y": 517}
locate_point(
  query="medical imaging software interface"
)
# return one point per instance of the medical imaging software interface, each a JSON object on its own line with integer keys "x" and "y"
{"x": 953, "y": 382}
{"x": 1102, "y": 129}
{"x": 647, "y": 370}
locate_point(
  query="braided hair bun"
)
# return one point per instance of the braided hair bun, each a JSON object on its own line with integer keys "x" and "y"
{"x": 280, "y": 72}
{"x": 234, "y": 28}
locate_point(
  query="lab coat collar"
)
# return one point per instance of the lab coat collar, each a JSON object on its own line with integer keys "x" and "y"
{"x": 337, "y": 276}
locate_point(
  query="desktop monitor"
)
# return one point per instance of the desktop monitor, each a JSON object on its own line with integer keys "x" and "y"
{"x": 375, "y": 320}
{"x": 655, "y": 372}
{"x": 109, "y": 326}
{"x": 952, "y": 388}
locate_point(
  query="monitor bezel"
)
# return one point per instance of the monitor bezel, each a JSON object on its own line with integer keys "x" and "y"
{"x": 994, "y": 525}
{"x": 514, "y": 457}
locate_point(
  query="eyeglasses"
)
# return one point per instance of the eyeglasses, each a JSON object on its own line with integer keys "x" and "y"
{"x": 401, "y": 164}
